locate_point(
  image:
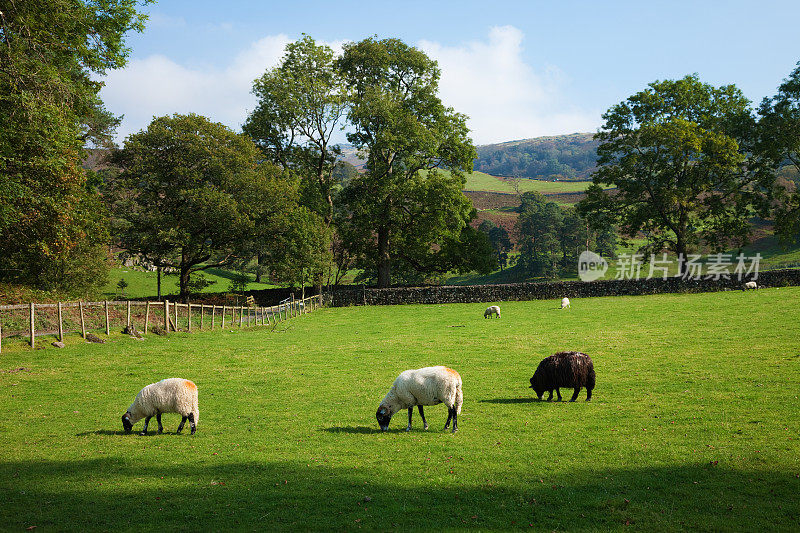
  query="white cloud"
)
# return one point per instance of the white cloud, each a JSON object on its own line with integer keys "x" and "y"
{"x": 504, "y": 97}
{"x": 156, "y": 85}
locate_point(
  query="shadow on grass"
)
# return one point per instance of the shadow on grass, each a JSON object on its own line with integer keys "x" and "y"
{"x": 120, "y": 433}
{"x": 510, "y": 400}
{"x": 96, "y": 494}
{"x": 135, "y": 433}
{"x": 355, "y": 430}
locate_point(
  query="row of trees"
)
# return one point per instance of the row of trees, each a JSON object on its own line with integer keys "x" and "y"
{"x": 691, "y": 165}
{"x": 192, "y": 194}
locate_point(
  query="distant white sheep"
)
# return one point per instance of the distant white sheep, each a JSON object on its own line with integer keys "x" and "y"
{"x": 425, "y": 386}
{"x": 750, "y": 285}
{"x": 171, "y": 395}
{"x": 565, "y": 303}
{"x": 492, "y": 310}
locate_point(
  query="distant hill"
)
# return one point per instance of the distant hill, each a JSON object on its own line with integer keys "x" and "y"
{"x": 563, "y": 157}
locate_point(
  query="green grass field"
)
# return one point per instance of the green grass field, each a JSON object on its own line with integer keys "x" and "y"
{"x": 143, "y": 284}
{"x": 693, "y": 424}
{"x": 480, "y": 181}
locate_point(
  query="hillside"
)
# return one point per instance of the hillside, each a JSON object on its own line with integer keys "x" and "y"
{"x": 563, "y": 157}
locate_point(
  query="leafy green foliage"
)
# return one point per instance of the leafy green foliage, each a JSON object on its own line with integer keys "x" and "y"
{"x": 52, "y": 231}
{"x": 394, "y": 212}
{"x": 539, "y": 225}
{"x": 679, "y": 154}
{"x": 193, "y": 195}
{"x": 780, "y": 143}
{"x": 301, "y": 103}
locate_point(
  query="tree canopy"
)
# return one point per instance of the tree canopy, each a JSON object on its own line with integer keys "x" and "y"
{"x": 402, "y": 208}
{"x": 679, "y": 154}
{"x": 780, "y": 143}
{"x": 194, "y": 195}
{"x": 52, "y": 228}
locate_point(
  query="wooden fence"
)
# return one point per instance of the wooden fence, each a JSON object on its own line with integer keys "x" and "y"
{"x": 64, "y": 317}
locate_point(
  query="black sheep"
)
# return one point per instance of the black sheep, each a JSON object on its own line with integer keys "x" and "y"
{"x": 564, "y": 369}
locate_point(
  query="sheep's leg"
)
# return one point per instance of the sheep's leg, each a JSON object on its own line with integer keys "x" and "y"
{"x": 588, "y": 395}
{"x": 550, "y": 398}
{"x": 575, "y": 394}
{"x": 410, "y": 411}
{"x": 144, "y": 429}
{"x": 183, "y": 421}
{"x": 449, "y": 417}
{"x": 158, "y": 419}
{"x": 559, "y": 394}
{"x": 424, "y": 422}
{"x": 455, "y": 419}
{"x": 192, "y": 423}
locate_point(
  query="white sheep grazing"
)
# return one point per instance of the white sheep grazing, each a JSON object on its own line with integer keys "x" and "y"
{"x": 565, "y": 303}
{"x": 171, "y": 395}
{"x": 750, "y": 285}
{"x": 426, "y": 386}
{"x": 492, "y": 310}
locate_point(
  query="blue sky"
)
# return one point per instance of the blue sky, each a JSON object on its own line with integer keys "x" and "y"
{"x": 517, "y": 69}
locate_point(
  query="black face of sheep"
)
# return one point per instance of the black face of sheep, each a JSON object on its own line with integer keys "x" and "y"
{"x": 564, "y": 369}
{"x": 383, "y": 417}
{"x": 126, "y": 422}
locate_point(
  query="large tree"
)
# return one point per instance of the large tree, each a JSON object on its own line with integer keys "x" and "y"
{"x": 403, "y": 208}
{"x": 194, "y": 195}
{"x": 679, "y": 155}
{"x": 301, "y": 104}
{"x": 52, "y": 232}
{"x": 780, "y": 143}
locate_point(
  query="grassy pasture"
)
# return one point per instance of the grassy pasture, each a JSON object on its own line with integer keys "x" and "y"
{"x": 693, "y": 425}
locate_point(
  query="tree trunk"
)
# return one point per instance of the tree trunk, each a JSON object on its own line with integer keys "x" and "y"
{"x": 680, "y": 248}
{"x": 184, "y": 284}
{"x": 259, "y": 259}
{"x": 384, "y": 262}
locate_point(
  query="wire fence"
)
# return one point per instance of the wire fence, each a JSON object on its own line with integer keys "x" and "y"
{"x": 34, "y": 320}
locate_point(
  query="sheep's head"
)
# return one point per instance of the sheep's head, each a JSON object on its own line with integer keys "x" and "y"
{"x": 537, "y": 387}
{"x": 384, "y": 415}
{"x": 126, "y": 422}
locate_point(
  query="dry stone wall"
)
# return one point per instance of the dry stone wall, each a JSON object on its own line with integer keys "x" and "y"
{"x": 358, "y": 295}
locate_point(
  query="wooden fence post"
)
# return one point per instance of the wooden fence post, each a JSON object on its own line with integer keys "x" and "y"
{"x": 108, "y": 324}
{"x": 223, "y": 318}
{"x": 166, "y": 316}
{"x": 241, "y": 312}
{"x": 175, "y": 324}
{"x": 83, "y": 322}
{"x": 188, "y": 316}
{"x": 33, "y": 329}
{"x": 128, "y": 319}
{"x": 60, "y": 325}
{"x": 202, "y": 310}
{"x": 146, "y": 315}
{"x": 213, "y": 310}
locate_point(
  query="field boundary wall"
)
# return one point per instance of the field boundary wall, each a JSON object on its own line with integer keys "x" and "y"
{"x": 359, "y": 295}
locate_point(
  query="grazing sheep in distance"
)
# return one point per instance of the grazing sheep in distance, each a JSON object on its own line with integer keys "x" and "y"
{"x": 492, "y": 310}
{"x": 565, "y": 303}
{"x": 564, "y": 369}
{"x": 425, "y": 386}
{"x": 171, "y": 395}
{"x": 750, "y": 285}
